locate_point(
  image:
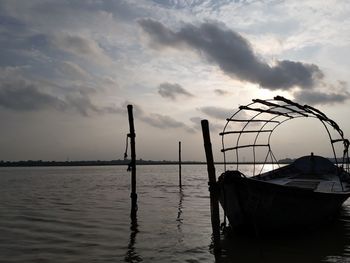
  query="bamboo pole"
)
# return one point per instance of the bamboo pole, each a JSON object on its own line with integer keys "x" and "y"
{"x": 132, "y": 136}
{"x": 180, "y": 181}
{"x": 214, "y": 204}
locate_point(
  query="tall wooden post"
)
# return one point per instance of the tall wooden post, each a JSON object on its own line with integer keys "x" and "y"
{"x": 214, "y": 204}
{"x": 132, "y": 136}
{"x": 180, "y": 183}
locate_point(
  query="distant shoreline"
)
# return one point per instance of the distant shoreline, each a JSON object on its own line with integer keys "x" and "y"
{"x": 40, "y": 163}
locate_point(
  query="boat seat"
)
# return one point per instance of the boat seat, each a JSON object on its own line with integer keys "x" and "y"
{"x": 304, "y": 184}
{"x": 310, "y": 176}
{"x": 327, "y": 186}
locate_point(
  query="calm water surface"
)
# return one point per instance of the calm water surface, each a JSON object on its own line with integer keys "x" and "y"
{"x": 81, "y": 214}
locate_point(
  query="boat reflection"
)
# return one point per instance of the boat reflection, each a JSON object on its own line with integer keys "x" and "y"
{"x": 329, "y": 244}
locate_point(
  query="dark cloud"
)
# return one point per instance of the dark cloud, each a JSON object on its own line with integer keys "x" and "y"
{"x": 18, "y": 49}
{"x": 196, "y": 122}
{"x": 216, "y": 112}
{"x": 77, "y": 44}
{"x": 172, "y": 91}
{"x": 11, "y": 23}
{"x": 55, "y": 46}
{"x": 234, "y": 55}
{"x": 24, "y": 95}
{"x": 316, "y": 97}
{"x": 221, "y": 92}
{"x": 39, "y": 41}
{"x": 212, "y": 125}
{"x": 180, "y": 4}
{"x": 164, "y": 122}
{"x": 137, "y": 110}
{"x": 154, "y": 119}
{"x": 80, "y": 46}
{"x": 71, "y": 70}
{"x": 19, "y": 38}
{"x": 121, "y": 10}
{"x": 82, "y": 104}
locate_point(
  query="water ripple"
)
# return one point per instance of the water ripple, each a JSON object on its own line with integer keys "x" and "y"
{"x": 82, "y": 214}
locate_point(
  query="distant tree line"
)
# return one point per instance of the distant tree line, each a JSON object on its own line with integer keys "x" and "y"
{"x": 32, "y": 163}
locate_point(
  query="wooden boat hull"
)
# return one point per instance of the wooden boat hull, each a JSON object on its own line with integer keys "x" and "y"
{"x": 307, "y": 192}
{"x": 264, "y": 205}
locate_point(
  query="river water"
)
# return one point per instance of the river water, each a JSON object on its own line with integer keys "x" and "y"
{"x": 81, "y": 214}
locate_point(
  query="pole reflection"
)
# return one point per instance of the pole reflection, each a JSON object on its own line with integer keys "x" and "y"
{"x": 131, "y": 255}
{"x": 179, "y": 219}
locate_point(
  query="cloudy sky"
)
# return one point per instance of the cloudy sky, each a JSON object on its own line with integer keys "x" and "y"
{"x": 69, "y": 68}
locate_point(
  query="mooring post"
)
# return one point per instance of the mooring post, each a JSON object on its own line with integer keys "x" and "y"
{"x": 214, "y": 204}
{"x": 180, "y": 182}
{"x": 132, "y": 136}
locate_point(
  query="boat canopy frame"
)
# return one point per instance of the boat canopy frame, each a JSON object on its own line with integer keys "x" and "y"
{"x": 279, "y": 110}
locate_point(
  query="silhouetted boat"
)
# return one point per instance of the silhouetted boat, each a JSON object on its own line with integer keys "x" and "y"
{"x": 308, "y": 192}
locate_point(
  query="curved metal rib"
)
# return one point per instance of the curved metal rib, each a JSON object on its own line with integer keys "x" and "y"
{"x": 279, "y": 107}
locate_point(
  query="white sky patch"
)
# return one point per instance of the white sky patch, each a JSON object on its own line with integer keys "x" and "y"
{"x": 173, "y": 91}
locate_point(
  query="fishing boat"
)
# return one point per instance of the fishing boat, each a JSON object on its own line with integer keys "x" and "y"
{"x": 306, "y": 192}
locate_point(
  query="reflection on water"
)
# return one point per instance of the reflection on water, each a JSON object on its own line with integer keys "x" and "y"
{"x": 179, "y": 218}
{"x": 328, "y": 244}
{"x": 262, "y": 168}
{"x": 179, "y": 210}
{"x": 131, "y": 255}
{"x": 82, "y": 214}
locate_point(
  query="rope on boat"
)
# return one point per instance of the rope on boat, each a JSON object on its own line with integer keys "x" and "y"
{"x": 126, "y": 152}
{"x": 126, "y": 147}
{"x": 224, "y": 224}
